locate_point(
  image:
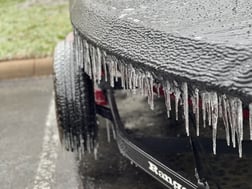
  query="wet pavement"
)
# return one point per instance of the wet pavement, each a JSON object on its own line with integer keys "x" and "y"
{"x": 32, "y": 158}
{"x": 30, "y": 153}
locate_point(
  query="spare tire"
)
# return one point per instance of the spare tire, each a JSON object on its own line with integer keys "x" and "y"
{"x": 75, "y": 103}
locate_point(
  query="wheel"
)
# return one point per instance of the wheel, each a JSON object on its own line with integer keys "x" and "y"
{"x": 74, "y": 101}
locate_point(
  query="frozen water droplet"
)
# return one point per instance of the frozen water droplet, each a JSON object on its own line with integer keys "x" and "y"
{"x": 186, "y": 109}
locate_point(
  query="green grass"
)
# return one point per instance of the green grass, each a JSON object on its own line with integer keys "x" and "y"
{"x": 31, "y": 31}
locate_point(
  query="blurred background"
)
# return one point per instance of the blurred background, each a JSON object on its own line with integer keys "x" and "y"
{"x": 31, "y": 28}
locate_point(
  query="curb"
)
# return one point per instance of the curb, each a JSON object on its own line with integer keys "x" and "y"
{"x": 26, "y": 68}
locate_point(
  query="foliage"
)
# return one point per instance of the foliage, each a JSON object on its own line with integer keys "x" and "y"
{"x": 31, "y": 31}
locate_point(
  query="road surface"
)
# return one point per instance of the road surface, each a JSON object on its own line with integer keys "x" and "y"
{"x": 31, "y": 155}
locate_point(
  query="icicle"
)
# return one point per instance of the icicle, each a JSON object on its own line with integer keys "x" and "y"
{"x": 96, "y": 152}
{"x": 186, "y": 109}
{"x": 197, "y": 110}
{"x": 220, "y": 107}
{"x": 146, "y": 86}
{"x": 233, "y": 120}
{"x": 99, "y": 65}
{"x": 130, "y": 76}
{"x": 82, "y": 148}
{"x": 167, "y": 93}
{"x": 203, "y": 98}
{"x": 94, "y": 63}
{"x": 229, "y": 113}
{"x": 77, "y": 47}
{"x": 104, "y": 55}
{"x": 250, "y": 120}
{"x": 209, "y": 112}
{"x": 88, "y": 144}
{"x": 84, "y": 55}
{"x": 108, "y": 130}
{"x": 81, "y": 52}
{"x": 151, "y": 93}
{"x": 239, "y": 125}
{"x": 149, "y": 89}
{"x": 177, "y": 94}
{"x": 133, "y": 72}
{"x": 121, "y": 66}
{"x": 87, "y": 65}
{"x": 116, "y": 69}
{"x": 137, "y": 79}
{"x": 113, "y": 131}
{"x": 193, "y": 99}
{"x": 158, "y": 90}
{"x": 225, "y": 119}
{"x": 214, "y": 113}
{"x": 142, "y": 84}
{"x": 111, "y": 72}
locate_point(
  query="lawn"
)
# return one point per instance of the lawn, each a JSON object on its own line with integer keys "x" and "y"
{"x": 28, "y": 31}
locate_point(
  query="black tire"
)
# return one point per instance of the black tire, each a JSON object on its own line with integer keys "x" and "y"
{"x": 74, "y": 100}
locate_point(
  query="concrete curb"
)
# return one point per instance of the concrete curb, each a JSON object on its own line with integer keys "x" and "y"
{"x": 26, "y": 68}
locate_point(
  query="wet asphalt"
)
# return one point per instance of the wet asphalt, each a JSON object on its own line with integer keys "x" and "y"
{"x": 31, "y": 156}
